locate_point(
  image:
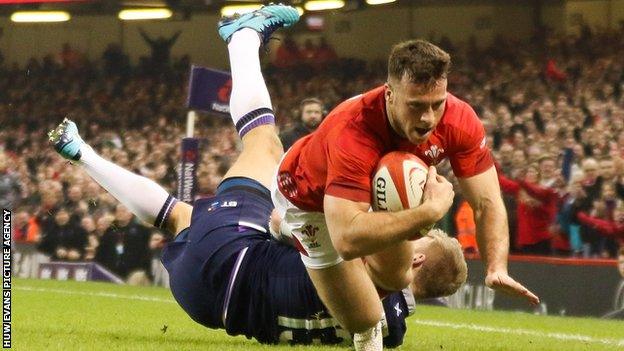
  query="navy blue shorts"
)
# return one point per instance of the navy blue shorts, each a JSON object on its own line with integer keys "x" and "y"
{"x": 227, "y": 272}
{"x": 200, "y": 261}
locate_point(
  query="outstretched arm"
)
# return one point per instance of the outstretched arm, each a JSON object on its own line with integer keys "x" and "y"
{"x": 174, "y": 38}
{"x": 146, "y": 37}
{"x": 483, "y": 194}
{"x": 538, "y": 192}
{"x": 507, "y": 185}
{"x": 604, "y": 227}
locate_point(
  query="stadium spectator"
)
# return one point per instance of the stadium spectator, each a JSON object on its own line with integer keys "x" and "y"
{"x": 115, "y": 61}
{"x": 309, "y": 52}
{"x": 325, "y": 54}
{"x": 311, "y": 114}
{"x": 88, "y": 225}
{"x": 536, "y": 211}
{"x": 91, "y": 196}
{"x": 25, "y": 227}
{"x": 65, "y": 239}
{"x": 466, "y": 227}
{"x": 571, "y": 203}
{"x": 124, "y": 246}
{"x": 70, "y": 58}
{"x": 50, "y": 203}
{"x": 10, "y": 185}
{"x": 288, "y": 54}
{"x": 26, "y": 234}
{"x": 75, "y": 203}
{"x": 611, "y": 228}
{"x": 156, "y": 245}
{"x": 161, "y": 48}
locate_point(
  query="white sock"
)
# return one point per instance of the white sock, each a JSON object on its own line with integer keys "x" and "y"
{"x": 250, "y": 103}
{"x": 370, "y": 340}
{"x": 142, "y": 196}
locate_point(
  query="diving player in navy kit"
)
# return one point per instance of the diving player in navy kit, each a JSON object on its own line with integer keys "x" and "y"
{"x": 226, "y": 270}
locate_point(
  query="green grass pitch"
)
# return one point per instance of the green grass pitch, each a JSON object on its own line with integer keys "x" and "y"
{"x": 53, "y": 315}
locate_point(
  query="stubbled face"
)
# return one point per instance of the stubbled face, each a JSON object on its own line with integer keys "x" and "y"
{"x": 312, "y": 115}
{"x": 414, "y": 110}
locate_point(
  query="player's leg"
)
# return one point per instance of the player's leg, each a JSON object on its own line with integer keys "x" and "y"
{"x": 142, "y": 196}
{"x": 343, "y": 286}
{"x": 250, "y": 103}
{"x": 347, "y": 292}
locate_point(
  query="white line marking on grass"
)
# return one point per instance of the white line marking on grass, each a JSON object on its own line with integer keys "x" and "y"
{"x": 560, "y": 336}
{"x": 94, "y": 294}
{"x": 482, "y": 328}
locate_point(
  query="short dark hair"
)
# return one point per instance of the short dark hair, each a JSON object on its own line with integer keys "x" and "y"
{"x": 423, "y": 62}
{"x": 309, "y": 101}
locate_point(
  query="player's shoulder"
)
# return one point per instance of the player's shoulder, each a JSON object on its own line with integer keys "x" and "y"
{"x": 459, "y": 114}
{"x": 361, "y": 117}
{"x": 361, "y": 104}
{"x": 460, "y": 122}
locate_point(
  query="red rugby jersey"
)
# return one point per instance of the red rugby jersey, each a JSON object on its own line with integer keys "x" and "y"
{"x": 339, "y": 158}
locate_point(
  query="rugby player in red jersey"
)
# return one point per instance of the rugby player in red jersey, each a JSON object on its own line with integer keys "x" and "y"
{"x": 225, "y": 271}
{"x": 323, "y": 186}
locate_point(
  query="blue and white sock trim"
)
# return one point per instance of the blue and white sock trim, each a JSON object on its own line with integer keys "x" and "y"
{"x": 254, "y": 119}
{"x": 165, "y": 211}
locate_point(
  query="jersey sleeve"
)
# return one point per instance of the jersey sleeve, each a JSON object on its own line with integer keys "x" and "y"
{"x": 351, "y": 160}
{"x": 471, "y": 155}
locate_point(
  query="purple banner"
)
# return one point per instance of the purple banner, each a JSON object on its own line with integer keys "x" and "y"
{"x": 209, "y": 90}
{"x": 78, "y": 271}
{"x": 187, "y": 179}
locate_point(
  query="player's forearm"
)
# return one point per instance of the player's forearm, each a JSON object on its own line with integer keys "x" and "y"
{"x": 493, "y": 234}
{"x": 371, "y": 232}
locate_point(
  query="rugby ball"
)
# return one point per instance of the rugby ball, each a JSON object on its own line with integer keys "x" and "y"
{"x": 398, "y": 182}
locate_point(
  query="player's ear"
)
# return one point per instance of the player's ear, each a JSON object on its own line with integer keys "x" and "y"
{"x": 419, "y": 260}
{"x": 388, "y": 93}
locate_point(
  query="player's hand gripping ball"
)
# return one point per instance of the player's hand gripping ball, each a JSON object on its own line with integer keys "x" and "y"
{"x": 399, "y": 182}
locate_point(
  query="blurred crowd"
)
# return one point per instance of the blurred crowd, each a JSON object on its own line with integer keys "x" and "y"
{"x": 553, "y": 109}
